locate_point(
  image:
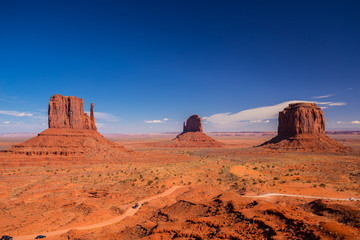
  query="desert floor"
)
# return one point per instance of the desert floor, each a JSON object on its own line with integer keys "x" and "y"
{"x": 40, "y": 195}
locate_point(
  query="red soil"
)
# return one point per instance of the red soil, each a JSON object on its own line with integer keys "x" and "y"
{"x": 230, "y": 216}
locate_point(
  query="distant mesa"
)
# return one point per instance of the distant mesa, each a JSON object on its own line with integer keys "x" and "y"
{"x": 193, "y": 124}
{"x": 71, "y": 133}
{"x": 192, "y": 136}
{"x": 302, "y": 128}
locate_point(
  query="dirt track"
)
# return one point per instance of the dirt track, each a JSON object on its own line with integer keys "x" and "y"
{"x": 130, "y": 212}
{"x": 299, "y": 196}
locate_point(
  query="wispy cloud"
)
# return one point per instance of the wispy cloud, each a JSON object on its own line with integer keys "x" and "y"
{"x": 324, "y": 96}
{"x": 16, "y": 113}
{"x": 259, "y": 121}
{"x": 156, "y": 121}
{"x": 6, "y": 122}
{"x": 153, "y": 121}
{"x": 100, "y": 125}
{"x": 105, "y": 116}
{"x": 257, "y": 115}
{"x": 335, "y": 104}
{"x": 350, "y": 122}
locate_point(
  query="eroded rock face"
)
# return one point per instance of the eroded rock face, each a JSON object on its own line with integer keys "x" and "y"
{"x": 302, "y": 128}
{"x": 301, "y": 118}
{"x": 193, "y": 124}
{"x": 68, "y": 112}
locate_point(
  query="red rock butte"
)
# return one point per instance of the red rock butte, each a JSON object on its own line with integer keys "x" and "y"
{"x": 68, "y": 112}
{"x": 193, "y": 124}
{"x": 302, "y": 128}
{"x": 192, "y": 136}
{"x": 71, "y": 133}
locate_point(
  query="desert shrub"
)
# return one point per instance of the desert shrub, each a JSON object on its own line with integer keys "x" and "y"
{"x": 322, "y": 185}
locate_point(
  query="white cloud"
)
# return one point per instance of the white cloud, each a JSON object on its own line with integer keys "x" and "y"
{"x": 16, "y": 113}
{"x": 153, "y": 121}
{"x": 352, "y": 122}
{"x": 100, "y": 125}
{"x": 259, "y": 121}
{"x": 325, "y": 96}
{"x": 6, "y": 122}
{"x": 105, "y": 116}
{"x": 165, "y": 119}
{"x": 257, "y": 115}
{"x": 331, "y": 104}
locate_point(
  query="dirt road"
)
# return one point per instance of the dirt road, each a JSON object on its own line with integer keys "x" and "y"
{"x": 130, "y": 212}
{"x": 299, "y": 196}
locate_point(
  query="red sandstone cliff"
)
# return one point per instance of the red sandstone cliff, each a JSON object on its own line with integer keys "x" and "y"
{"x": 68, "y": 112}
{"x": 299, "y": 118}
{"x": 302, "y": 128}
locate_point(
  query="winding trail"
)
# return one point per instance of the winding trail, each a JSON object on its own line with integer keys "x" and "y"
{"x": 130, "y": 212}
{"x": 300, "y": 196}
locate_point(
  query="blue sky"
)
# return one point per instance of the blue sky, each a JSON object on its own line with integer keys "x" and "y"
{"x": 140, "y": 61}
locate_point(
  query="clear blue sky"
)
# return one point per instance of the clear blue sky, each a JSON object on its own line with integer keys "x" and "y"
{"x": 140, "y": 61}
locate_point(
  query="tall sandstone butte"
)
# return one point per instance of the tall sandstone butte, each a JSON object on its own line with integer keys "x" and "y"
{"x": 299, "y": 118}
{"x": 68, "y": 112}
{"x": 71, "y": 133}
{"x": 193, "y": 124}
{"x": 302, "y": 128}
{"x": 193, "y": 136}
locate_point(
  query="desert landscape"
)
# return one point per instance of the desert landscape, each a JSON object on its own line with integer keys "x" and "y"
{"x": 70, "y": 182}
{"x": 179, "y": 120}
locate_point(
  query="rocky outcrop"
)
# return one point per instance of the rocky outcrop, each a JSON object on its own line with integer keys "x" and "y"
{"x": 301, "y": 118}
{"x": 68, "y": 112}
{"x": 193, "y": 124}
{"x": 71, "y": 133}
{"x": 302, "y": 128}
{"x": 191, "y": 137}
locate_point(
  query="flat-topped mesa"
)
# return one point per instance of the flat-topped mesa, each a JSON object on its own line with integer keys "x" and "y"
{"x": 301, "y": 118}
{"x": 193, "y": 124}
{"x": 302, "y": 128}
{"x": 68, "y": 112}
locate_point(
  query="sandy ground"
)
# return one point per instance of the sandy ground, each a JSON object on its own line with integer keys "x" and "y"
{"x": 46, "y": 195}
